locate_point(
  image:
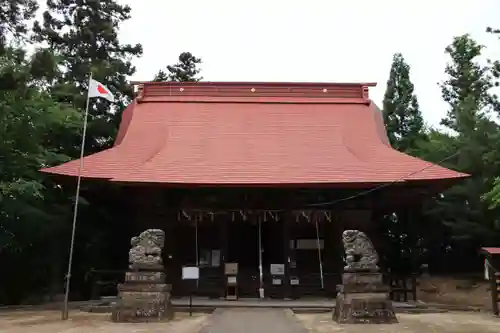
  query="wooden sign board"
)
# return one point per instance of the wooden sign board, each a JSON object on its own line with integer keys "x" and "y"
{"x": 277, "y": 269}
{"x": 231, "y": 268}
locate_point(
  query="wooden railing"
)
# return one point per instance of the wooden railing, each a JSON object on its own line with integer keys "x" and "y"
{"x": 403, "y": 288}
{"x": 104, "y": 282}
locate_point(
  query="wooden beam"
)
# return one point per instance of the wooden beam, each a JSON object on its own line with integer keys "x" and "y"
{"x": 286, "y": 256}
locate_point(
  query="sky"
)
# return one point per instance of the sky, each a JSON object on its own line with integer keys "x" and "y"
{"x": 310, "y": 40}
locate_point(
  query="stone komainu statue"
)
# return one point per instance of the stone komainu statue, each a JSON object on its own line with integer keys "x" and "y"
{"x": 360, "y": 252}
{"x": 146, "y": 248}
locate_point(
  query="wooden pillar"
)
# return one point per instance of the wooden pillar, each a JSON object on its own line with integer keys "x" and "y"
{"x": 337, "y": 250}
{"x": 223, "y": 254}
{"x": 171, "y": 258}
{"x": 377, "y": 234}
{"x": 286, "y": 254}
{"x": 292, "y": 265}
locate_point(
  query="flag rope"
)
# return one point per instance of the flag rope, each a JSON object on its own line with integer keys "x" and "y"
{"x": 318, "y": 243}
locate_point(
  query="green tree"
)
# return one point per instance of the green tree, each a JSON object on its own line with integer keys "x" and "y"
{"x": 185, "y": 70}
{"x": 467, "y": 89}
{"x": 33, "y": 209}
{"x": 467, "y": 92}
{"x": 403, "y": 119}
{"x": 84, "y": 35}
{"x": 493, "y": 197}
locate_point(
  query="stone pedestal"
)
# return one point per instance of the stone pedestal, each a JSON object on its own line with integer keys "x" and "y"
{"x": 143, "y": 297}
{"x": 363, "y": 299}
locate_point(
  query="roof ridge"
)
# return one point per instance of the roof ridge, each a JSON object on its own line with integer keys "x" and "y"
{"x": 261, "y": 92}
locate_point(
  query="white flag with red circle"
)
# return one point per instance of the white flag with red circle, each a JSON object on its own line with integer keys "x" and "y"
{"x": 97, "y": 89}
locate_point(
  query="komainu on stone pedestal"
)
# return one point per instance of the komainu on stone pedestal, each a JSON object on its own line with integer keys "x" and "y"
{"x": 362, "y": 297}
{"x": 144, "y": 296}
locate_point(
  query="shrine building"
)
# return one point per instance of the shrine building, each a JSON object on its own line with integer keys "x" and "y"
{"x": 261, "y": 176}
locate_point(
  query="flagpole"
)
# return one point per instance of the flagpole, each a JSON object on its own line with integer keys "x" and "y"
{"x": 75, "y": 210}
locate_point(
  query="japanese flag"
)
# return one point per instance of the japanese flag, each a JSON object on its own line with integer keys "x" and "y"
{"x": 97, "y": 89}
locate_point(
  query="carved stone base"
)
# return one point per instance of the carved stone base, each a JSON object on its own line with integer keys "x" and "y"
{"x": 363, "y": 299}
{"x": 146, "y": 267}
{"x": 144, "y": 297}
{"x": 141, "y": 310}
{"x": 147, "y": 277}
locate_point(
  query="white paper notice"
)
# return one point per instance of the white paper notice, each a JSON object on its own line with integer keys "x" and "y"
{"x": 277, "y": 282}
{"x": 190, "y": 273}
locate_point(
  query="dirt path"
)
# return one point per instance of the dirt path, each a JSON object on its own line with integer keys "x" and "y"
{"x": 462, "y": 322}
{"x": 82, "y": 322}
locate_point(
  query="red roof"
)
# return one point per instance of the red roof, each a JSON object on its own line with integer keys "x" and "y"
{"x": 491, "y": 250}
{"x": 253, "y": 133}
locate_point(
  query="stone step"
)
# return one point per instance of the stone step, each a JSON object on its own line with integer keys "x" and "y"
{"x": 108, "y": 299}
{"x": 144, "y": 287}
{"x": 311, "y": 310}
{"x": 109, "y": 309}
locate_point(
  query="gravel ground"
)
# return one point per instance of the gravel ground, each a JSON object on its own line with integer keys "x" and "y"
{"x": 458, "y": 322}
{"x": 244, "y": 321}
{"x": 83, "y": 322}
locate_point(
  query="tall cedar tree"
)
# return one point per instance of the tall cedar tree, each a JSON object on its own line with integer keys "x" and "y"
{"x": 402, "y": 114}
{"x": 468, "y": 83}
{"x": 186, "y": 70}
{"x": 466, "y": 90}
{"x": 84, "y": 34}
{"x": 405, "y": 125}
{"x": 493, "y": 197}
{"x": 495, "y": 72}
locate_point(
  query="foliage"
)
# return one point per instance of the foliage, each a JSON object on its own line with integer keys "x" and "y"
{"x": 84, "y": 35}
{"x": 42, "y": 98}
{"x": 475, "y": 143}
{"x": 468, "y": 85}
{"x": 31, "y": 206}
{"x": 493, "y": 197}
{"x": 186, "y": 70}
{"x": 401, "y": 111}
{"x": 461, "y": 219}
{"x": 13, "y": 17}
